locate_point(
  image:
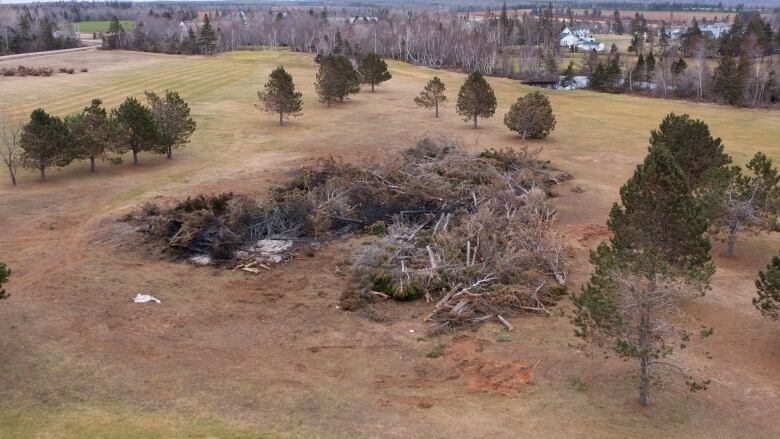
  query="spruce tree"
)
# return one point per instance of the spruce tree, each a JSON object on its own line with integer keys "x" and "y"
{"x": 476, "y": 98}
{"x": 658, "y": 252}
{"x": 373, "y": 70}
{"x": 432, "y": 95}
{"x": 134, "y": 127}
{"x": 45, "y": 142}
{"x": 279, "y": 96}
{"x": 768, "y": 289}
{"x": 338, "y": 43}
{"x": 172, "y": 117}
{"x": 207, "y": 39}
{"x": 700, "y": 156}
{"x": 5, "y": 273}
{"x": 91, "y": 132}
{"x": 531, "y": 116}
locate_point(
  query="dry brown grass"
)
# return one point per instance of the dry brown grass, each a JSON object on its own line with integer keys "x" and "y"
{"x": 273, "y": 351}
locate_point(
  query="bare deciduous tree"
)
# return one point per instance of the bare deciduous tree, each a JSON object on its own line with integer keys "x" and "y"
{"x": 9, "y": 135}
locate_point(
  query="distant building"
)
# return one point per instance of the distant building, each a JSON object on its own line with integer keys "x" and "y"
{"x": 715, "y": 30}
{"x": 588, "y": 46}
{"x": 353, "y": 20}
{"x": 581, "y": 39}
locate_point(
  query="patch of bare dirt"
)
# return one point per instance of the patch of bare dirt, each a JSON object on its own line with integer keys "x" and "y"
{"x": 482, "y": 374}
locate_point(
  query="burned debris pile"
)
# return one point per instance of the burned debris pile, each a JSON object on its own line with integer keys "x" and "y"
{"x": 472, "y": 233}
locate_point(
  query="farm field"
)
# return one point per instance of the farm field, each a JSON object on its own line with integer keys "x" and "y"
{"x": 228, "y": 354}
{"x": 668, "y": 16}
{"x": 101, "y": 26}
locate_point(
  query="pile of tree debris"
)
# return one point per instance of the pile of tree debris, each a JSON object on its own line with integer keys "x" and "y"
{"x": 472, "y": 233}
{"x": 22, "y": 71}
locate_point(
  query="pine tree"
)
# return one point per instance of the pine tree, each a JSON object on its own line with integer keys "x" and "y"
{"x": 373, "y": 70}
{"x": 172, "y": 118}
{"x": 617, "y": 23}
{"x": 613, "y": 73}
{"x": 650, "y": 66}
{"x": 432, "y": 95}
{"x": 700, "y": 157}
{"x": 336, "y": 79}
{"x": 768, "y": 289}
{"x": 45, "y": 142}
{"x": 658, "y": 252}
{"x": 531, "y": 116}
{"x": 748, "y": 202}
{"x": 691, "y": 38}
{"x": 567, "y": 79}
{"x": 91, "y": 132}
{"x": 207, "y": 38}
{"x": 134, "y": 127}
{"x": 679, "y": 67}
{"x": 114, "y": 35}
{"x": 503, "y": 22}
{"x": 640, "y": 69}
{"x": 597, "y": 79}
{"x": 476, "y": 98}
{"x": 279, "y": 96}
{"x": 326, "y": 83}
{"x": 730, "y": 78}
{"x": 5, "y": 273}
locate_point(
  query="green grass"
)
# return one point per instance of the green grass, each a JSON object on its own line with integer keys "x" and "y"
{"x": 100, "y": 26}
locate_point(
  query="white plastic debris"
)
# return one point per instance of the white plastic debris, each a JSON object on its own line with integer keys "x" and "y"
{"x": 272, "y": 246}
{"x": 411, "y": 331}
{"x": 143, "y": 298}
{"x": 201, "y": 259}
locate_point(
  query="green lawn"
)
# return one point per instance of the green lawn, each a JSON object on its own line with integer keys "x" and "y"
{"x": 100, "y": 26}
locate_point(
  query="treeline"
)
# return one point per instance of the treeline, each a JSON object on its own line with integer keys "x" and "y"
{"x": 421, "y": 36}
{"x": 95, "y": 134}
{"x": 746, "y": 72}
{"x": 33, "y": 33}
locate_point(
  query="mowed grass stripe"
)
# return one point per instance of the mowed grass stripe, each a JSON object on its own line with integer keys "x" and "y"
{"x": 170, "y": 75}
{"x": 113, "y": 95}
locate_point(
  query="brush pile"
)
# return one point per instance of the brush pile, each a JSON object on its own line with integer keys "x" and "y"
{"x": 26, "y": 71}
{"x": 473, "y": 233}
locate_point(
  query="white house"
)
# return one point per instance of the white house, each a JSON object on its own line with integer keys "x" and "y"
{"x": 581, "y": 31}
{"x": 569, "y": 40}
{"x": 582, "y": 41}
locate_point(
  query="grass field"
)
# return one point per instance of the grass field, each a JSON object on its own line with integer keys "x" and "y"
{"x": 230, "y": 355}
{"x": 100, "y": 26}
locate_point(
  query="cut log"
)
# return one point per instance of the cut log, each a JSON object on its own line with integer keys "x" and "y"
{"x": 506, "y": 323}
